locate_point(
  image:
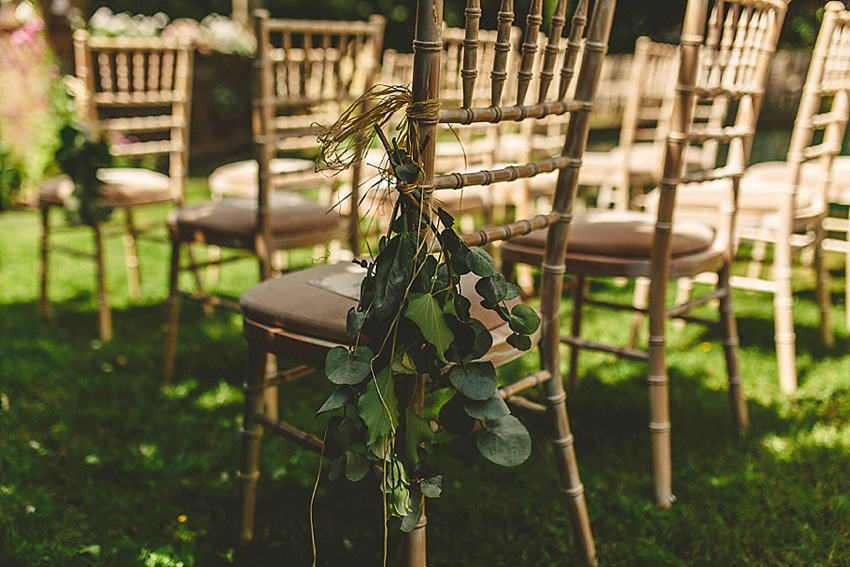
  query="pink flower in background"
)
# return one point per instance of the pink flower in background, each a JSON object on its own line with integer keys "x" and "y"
{"x": 27, "y": 32}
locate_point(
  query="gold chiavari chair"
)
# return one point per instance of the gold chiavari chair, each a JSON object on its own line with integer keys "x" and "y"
{"x": 301, "y": 321}
{"x": 724, "y": 59}
{"x": 135, "y": 93}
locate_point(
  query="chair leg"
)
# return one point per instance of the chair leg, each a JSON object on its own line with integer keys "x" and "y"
{"x": 822, "y": 282}
{"x": 659, "y": 395}
{"x": 270, "y": 394}
{"x": 571, "y": 485}
{"x": 131, "y": 255}
{"x": 729, "y": 328}
{"x": 847, "y": 284}
{"x": 104, "y": 313}
{"x": 172, "y": 313}
{"x": 575, "y": 328}
{"x": 43, "y": 302}
{"x": 252, "y": 432}
{"x": 640, "y": 299}
{"x": 684, "y": 288}
{"x": 783, "y": 317}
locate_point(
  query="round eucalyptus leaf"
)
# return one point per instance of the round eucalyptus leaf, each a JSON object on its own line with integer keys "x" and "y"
{"x": 432, "y": 487}
{"x": 354, "y": 322}
{"x": 453, "y": 416}
{"x": 483, "y": 340}
{"x": 513, "y": 291}
{"x": 524, "y": 319}
{"x": 492, "y": 288}
{"x": 519, "y": 342}
{"x": 505, "y": 441}
{"x": 475, "y": 380}
{"x": 480, "y": 262}
{"x": 494, "y": 408}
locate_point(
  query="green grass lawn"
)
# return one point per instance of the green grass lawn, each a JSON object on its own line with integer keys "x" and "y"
{"x": 100, "y": 464}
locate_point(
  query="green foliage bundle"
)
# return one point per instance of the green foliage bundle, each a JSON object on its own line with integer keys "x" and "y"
{"x": 80, "y": 156}
{"x": 414, "y": 323}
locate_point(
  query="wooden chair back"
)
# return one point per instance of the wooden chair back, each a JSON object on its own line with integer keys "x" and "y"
{"x": 518, "y": 103}
{"x": 725, "y": 58}
{"x": 306, "y": 73}
{"x": 824, "y": 106}
{"x": 137, "y": 93}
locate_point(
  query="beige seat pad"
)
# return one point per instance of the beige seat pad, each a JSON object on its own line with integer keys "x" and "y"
{"x": 622, "y": 233}
{"x": 123, "y": 186}
{"x": 758, "y": 194}
{"x": 291, "y": 214}
{"x": 291, "y": 303}
{"x": 239, "y": 179}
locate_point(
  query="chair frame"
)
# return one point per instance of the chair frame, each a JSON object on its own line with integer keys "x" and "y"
{"x": 272, "y": 95}
{"x": 729, "y": 75}
{"x": 120, "y": 74}
{"x": 428, "y": 48}
{"x": 824, "y": 107}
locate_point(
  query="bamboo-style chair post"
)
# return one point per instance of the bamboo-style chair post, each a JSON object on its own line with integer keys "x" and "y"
{"x": 469, "y": 72}
{"x": 660, "y": 264}
{"x": 501, "y": 51}
{"x": 262, "y": 116}
{"x": 427, "y": 52}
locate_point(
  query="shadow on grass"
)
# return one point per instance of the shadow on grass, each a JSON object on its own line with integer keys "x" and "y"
{"x": 96, "y": 452}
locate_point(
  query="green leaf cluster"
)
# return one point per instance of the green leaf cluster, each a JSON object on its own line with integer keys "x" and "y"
{"x": 80, "y": 155}
{"x": 413, "y": 322}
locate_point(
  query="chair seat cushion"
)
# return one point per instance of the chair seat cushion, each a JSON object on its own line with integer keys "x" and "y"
{"x": 122, "y": 187}
{"x": 292, "y": 303}
{"x": 235, "y": 218}
{"x": 622, "y": 234}
{"x": 239, "y": 179}
{"x": 758, "y": 191}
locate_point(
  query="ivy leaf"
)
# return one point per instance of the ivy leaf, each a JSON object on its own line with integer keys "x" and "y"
{"x": 341, "y": 431}
{"x": 492, "y": 288}
{"x": 356, "y": 465}
{"x": 424, "y": 310}
{"x": 475, "y": 380}
{"x": 341, "y": 395}
{"x": 445, "y": 218}
{"x": 377, "y": 406}
{"x": 336, "y": 469}
{"x": 493, "y": 408}
{"x": 432, "y": 487}
{"x": 519, "y": 342}
{"x": 450, "y": 240}
{"x": 417, "y": 430}
{"x": 480, "y": 262}
{"x": 505, "y": 441}
{"x": 343, "y": 367}
{"x": 354, "y": 322}
{"x": 393, "y": 270}
{"x": 523, "y": 320}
